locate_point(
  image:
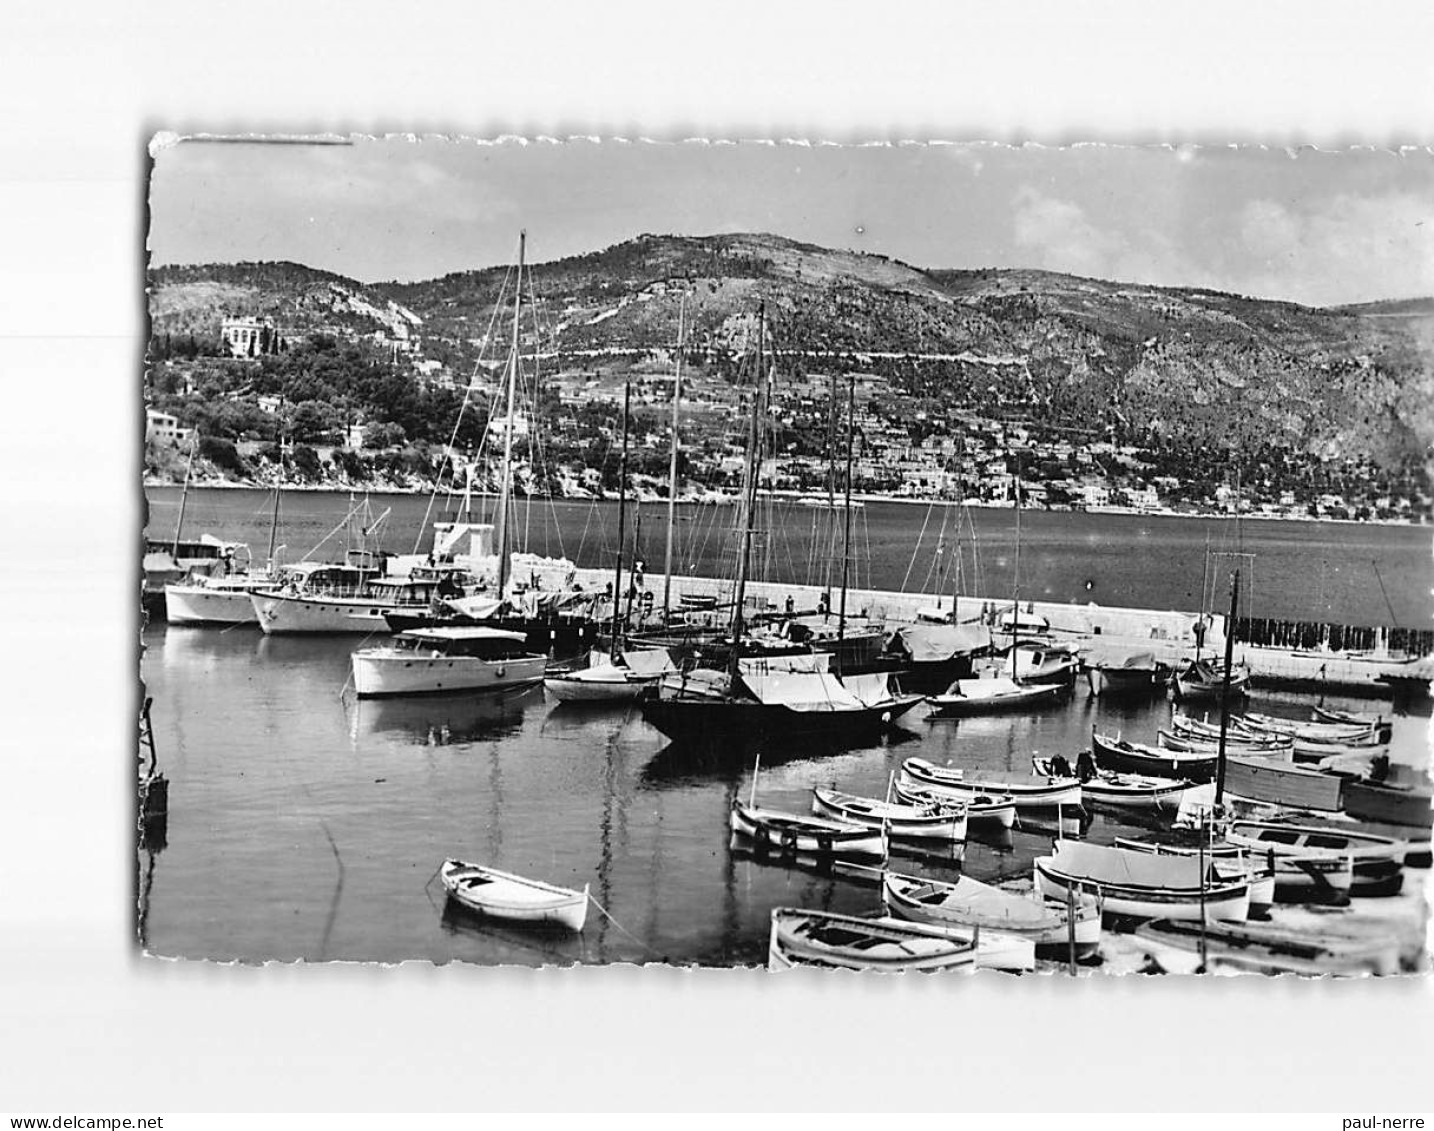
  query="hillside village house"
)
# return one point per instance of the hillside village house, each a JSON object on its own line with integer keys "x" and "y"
{"x": 161, "y": 428}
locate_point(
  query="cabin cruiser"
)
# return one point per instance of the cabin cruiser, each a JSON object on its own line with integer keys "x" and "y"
{"x": 430, "y": 661}
{"x": 319, "y": 598}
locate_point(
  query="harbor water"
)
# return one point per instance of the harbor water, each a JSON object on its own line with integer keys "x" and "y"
{"x": 307, "y": 825}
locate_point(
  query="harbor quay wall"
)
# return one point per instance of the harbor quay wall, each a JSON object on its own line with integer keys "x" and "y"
{"x": 1169, "y": 634}
{"x": 1162, "y": 632}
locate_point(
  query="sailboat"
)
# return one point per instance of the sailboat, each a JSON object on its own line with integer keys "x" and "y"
{"x": 1028, "y": 676}
{"x": 173, "y": 560}
{"x": 613, "y": 678}
{"x": 528, "y": 593}
{"x": 755, "y": 700}
{"x": 1205, "y": 678}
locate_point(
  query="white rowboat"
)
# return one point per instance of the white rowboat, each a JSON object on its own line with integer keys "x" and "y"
{"x": 502, "y": 895}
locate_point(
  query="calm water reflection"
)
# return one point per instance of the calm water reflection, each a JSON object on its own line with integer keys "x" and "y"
{"x": 307, "y": 825}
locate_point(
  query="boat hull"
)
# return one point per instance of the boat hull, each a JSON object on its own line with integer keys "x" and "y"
{"x": 560, "y": 637}
{"x": 1129, "y": 758}
{"x": 919, "y": 774}
{"x": 281, "y": 613}
{"x": 792, "y": 834}
{"x": 964, "y": 706}
{"x": 981, "y": 809}
{"x": 948, "y": 827}
{"x": 1370, "y": 801}
{"x": 513, "y": 899}
{"x": 813, "y": 938}
{"x": 1047, "y": 929}
{"x": 202, "y": 605}
{"x": 699, "y": 720}
{"x": 1268, "y": 950}
{"x": 566, "y": 689}
{"x": 1226, "y": 901}
{"x": 411, "y": 674}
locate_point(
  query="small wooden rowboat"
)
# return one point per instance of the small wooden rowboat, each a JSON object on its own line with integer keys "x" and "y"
{"x": 1377, "y": 861}
{"x": 1383, "y": 727}
{"x": 1120, "y": 756}
{"x": 968, "y": 903}
{"x": 985, "y": 809}
{"x": 944, "y": 821}
{"x": 502, "y": 895}
{"x": 1207, "y": 679}
{"x": 797, "y": 833}
{"x": 1033, "y": 794}
{"x": 992, "y": 695}
{"x": 826, "y": 939}
{"x": 1142, "y": 885}
{"x": 1265, "y": 949}
{"x": 1232, "y": 859}
{"x": 1128, "y": 791}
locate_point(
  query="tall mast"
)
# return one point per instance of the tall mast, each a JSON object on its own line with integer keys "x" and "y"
{"x": 184, "y": 495}
{"x": 1225, "y": 689}
{"x": 846, "y": 529}
{"x": 1016, "y": 579}
{"x": 749, "y": 507}
{"x": 1204, "y": 592}
{"x": 621, "y": 525}
{"x": 274, "y": 527}
{"x": 506, "y": 488}
{"x": 672, "y": 469}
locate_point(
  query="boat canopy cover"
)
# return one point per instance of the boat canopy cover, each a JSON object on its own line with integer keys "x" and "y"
{"x": 796, "y": 662}
{"x": 463, "y": 632}
{"x": 1106, "y": 864}
{"x": 648, "y": 661}
{"x": 871, "y": 687}
{"x": 989, "y": 687}
{"x": 933, "y": 643}
{"x": 477, "y": 607}
{"x": 977, "y": 899}
{"x": 802, "y": 691}
{"x": 1119, "y": 657}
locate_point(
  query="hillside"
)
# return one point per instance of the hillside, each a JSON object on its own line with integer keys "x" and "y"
{"x": 1196, "y": 367}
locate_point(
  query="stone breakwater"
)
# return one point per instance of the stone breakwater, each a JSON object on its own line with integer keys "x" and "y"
{"x": 1168, "y": 634}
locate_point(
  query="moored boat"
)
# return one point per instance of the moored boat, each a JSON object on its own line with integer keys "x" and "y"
{"x": 621, "y": 680}
{"x": 798, "y": 833}
{"x": 968, "y": 903}
{"x": 446, "y": 660}
{"x": 1143, "y": 885}
{"x": 1120, "y": 756}
{"x": 1377, "y": 862}
{"x": 1275, "y": 782}
{"x": 517, "y": 899}
{"x": 776, "y": 705}
{"x": 1031, "y": 793}
{"x": 213, "y": 599}
{"x": 1389, "y": 802}
{"x": 1265, "y": 949}
{"x": 1383, "y": 727}
{"x": 1206, "y": 680}
{"x": 1127, "y": 791}
{"x": 991, "y": 810}
{"x": 923, "y": 821}
{"x": 1232, "y": 859}
{"x": 825, "y": 939}
{"x": 1114, "y": 671}
{"x": 991, "y": 694}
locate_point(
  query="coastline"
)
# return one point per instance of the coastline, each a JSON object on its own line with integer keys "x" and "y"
{"x": 791, "y": 496}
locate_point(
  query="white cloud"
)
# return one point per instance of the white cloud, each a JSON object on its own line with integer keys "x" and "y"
{"x": 1341, "y": 249}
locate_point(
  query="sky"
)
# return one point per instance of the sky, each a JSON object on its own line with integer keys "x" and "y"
{"x": 1311, "y": 226}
